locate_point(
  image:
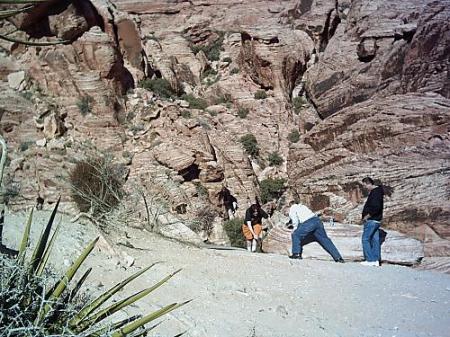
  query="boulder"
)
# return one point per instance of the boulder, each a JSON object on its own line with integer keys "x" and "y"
{"x": 17, "y": 80}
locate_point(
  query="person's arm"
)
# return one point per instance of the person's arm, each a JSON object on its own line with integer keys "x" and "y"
{"x": 374, "y": 204}
{"x": 293, "y": 216}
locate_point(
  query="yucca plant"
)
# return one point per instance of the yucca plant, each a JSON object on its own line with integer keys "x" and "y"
{"x": 32, "y": 305}
{"x": 28, "y": 5}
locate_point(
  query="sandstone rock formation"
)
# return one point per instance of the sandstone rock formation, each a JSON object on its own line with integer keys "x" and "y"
{"x": 371, "y": 79}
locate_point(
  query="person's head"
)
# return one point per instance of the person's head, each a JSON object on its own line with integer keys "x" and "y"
{"x": 368, "y": 183}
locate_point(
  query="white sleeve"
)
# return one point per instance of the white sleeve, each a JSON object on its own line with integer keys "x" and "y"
{"x": 293, "y": 216}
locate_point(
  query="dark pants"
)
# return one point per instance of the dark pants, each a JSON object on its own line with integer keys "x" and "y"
{"x": 315, "y": 227}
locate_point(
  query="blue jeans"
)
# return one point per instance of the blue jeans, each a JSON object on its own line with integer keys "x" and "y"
{"x": 371, "y": 241}
{"x": 315, "y": 227}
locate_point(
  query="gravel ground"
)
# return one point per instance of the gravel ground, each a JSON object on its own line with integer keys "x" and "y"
{"x": 239, "y": 294}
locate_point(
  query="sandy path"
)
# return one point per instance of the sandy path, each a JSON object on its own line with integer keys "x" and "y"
{"x": 262, "y": 295}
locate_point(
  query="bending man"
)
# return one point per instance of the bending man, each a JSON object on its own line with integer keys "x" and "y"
{"x": 308, "y": 223}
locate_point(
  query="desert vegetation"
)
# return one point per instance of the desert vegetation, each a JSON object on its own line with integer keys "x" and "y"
{"x": 33, "y": 304}
{"x": 271, "y": 189}
{"x": 233, "y": 229}
{"x": 250, "y": 144}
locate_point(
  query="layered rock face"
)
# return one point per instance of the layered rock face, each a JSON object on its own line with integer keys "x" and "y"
{"x": 372, "y": 76}
{"x": 392, "y": 60}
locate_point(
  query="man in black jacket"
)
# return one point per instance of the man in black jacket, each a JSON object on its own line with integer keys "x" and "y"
{"x": 371, "y": 219}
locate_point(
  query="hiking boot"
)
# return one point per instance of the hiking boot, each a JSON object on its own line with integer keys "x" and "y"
{"x": 295, "y": 256}
{"x": 341, "y": 260}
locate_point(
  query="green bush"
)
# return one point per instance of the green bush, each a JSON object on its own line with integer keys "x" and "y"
{"x": 160, "y": 86}
{"x": 186, "y": 114}
{"x": 212, "y": 50}
{"x": 209, "y": 72}
{"x": 234, "y": 71}
{"x": 33, "y": 304}
{"x": 242, "y": 112}
{"x": 233, "y": 228}
{"x": 223, "y": 99}
{"x": 271, "y": 188}
{"x": 227, "y": 60}
{"x": 210, "y": 81}
{"x": 84, "y": 104}
{"x": 275, "y": 159}
{"x": 294, "y": 136}
{"x": 195, "y": 102}
{"x": 96, "y": 185}
{"x": 250, "y": 144}
{"x": 212, "y": 113}
{"x": 298, "y": 103}
{"x": 25, "y": 145}
{"x": 260, "y": 94}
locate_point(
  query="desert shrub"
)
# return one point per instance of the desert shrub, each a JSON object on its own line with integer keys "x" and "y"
{"x": 227, "y": 59}
{"x": 271, "y": 188}
{"x": 222, "y": 98}
{"x": 96, "y": 185}
{"x": 186, "y": 114}
{"x": 25, "y": 145}
{"x": 210, "y": 81}
{"x": 250, "y": 144}
{"x": 195, "y": 102}
{"x": 234, "y": 71}
{"x": 35, "y": 301}
{"x": 204, "y": 220}
{"x": 294, "y": 136}
{"x": 28, "y": 95}
{"x": 242, "y": 112}
{"x": 212, "y": 113}
{"x": 260, "y": 94}
{"x": 298, "y": 103}
{"x": 275, "y": 159}
{"x": 159, "y": 86}
{"x": 202, "y": 191}
{"x": 233, "y": 228}
{"x": 211, "y": 50}
{"x": 84, "y": 104}
{"x": 209, "y": 72}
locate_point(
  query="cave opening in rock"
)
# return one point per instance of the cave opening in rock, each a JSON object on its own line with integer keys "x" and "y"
{"x": 190, "y": 173}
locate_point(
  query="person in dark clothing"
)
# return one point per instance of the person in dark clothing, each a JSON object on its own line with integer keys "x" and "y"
{"x": 252, "y": 228}
{"x": 372, "y": 215}
{"x": 229, "y": 203}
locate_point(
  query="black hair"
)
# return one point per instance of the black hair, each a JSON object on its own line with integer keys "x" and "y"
{"x": 368, "y": 180}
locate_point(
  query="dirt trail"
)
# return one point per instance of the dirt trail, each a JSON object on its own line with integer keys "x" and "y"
{"x": 238, "y": 294}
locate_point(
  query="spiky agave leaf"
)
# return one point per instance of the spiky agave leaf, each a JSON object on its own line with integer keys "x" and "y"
{"x": 46, "y": 256}
{"x": 80, "y": 282}
{"x": 113, "y": 326}
{"x": 103, "y": 298}
{"x": 145, "y": 331}
{"x": 129, "y": 328}
{"x": 102, "y": 314}
{"x": 42, "y": 243}
{"x": 25, "y": 237}
{"x": 62, "y": 284}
